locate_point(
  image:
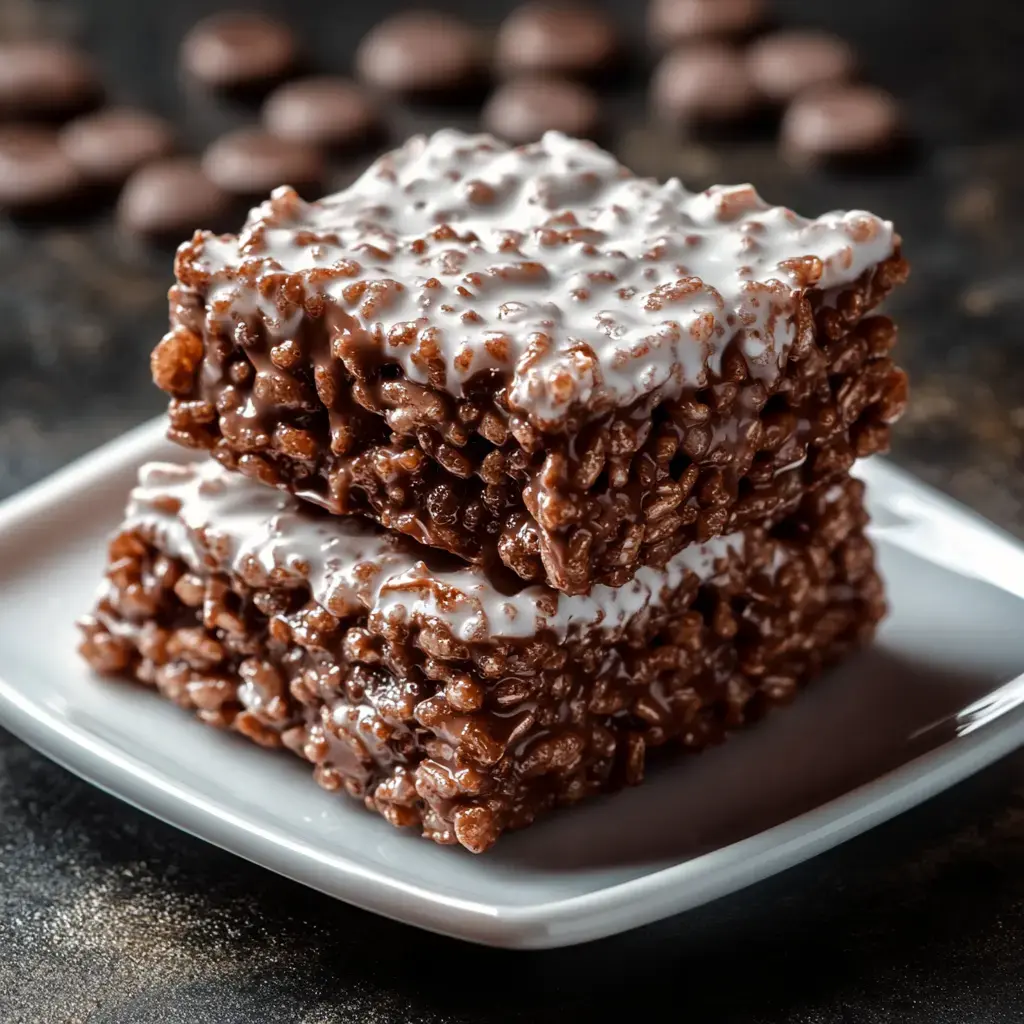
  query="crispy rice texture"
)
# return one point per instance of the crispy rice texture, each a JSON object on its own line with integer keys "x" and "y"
{"x": 529, "y": 355}
{"x": 459, "y": 735}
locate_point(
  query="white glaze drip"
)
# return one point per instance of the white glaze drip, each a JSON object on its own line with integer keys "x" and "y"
{"x": 586, "y": 287}
{"x": 214, "y": 519}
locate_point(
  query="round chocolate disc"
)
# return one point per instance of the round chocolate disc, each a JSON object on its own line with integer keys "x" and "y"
{"x": 108, "y": 145}
{"x": 321, "y": 111}
{"x": 236, "y": 49}
{"x": 677, "y": 21}
{"x": 251, "y": 162}
{"x": 421, "y": 52}
{"x": 522, "y": 110}
{"x": 784, "y": 64}
{"x": 703, "y": 83}
{"x": 555, "y": 38}
{"x": 170, "y": 199}
{"x": 45, "y": 79}
{"x": 34, "y": 169}
{"x": 844, "y": 122}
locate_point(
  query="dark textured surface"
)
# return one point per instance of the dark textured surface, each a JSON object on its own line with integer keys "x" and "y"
{"x": 106, "y": 915}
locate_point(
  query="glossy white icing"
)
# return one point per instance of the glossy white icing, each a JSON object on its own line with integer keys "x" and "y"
{"x": 214, "y": 519}
{"x": 584, "y": 286}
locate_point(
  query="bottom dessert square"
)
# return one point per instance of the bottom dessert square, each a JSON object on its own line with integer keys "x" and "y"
{"x": 453, "y": 700}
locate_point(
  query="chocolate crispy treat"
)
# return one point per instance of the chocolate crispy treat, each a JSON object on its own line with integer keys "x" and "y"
{"x": 532, "y": 354}
{"x": 442, "y": 698}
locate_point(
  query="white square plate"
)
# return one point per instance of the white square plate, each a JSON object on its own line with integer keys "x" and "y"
{"x": 938, "y": 697}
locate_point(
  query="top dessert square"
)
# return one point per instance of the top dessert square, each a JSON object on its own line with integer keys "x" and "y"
{"x": 532, "y": 354}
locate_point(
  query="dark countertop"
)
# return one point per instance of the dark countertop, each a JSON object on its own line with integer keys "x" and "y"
{"x": 107, "y": 915}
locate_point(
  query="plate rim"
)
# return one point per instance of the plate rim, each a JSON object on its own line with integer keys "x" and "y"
{"x": 546, "y": 923}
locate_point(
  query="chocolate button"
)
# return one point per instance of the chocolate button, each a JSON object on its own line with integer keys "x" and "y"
{"x": 521, "y": 111}
{"x": 249, "y": 162}
{"x": 555, "y": 38}
{"x": 170, "y": 199}
{"x": 34, "y": 170}
{"x": 844, "y": 122}
{"x": 703, "y": 83}
{"x": 237, "y": 49}
{"x": 321, "y": 111}
{"x": 676, "y": 21}
{"x": 421, "y": 52}
{"x": 785, "y": 64}
{"x": 45, "y": 79}
{"x": 108, "y": 145}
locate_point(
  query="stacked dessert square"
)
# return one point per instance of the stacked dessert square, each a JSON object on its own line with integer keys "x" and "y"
{"x": 522, "y": 467}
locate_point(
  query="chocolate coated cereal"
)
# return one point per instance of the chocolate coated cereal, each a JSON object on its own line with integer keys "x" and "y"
{"x": 439, "y": 701}
{"x": 388, "y": 352}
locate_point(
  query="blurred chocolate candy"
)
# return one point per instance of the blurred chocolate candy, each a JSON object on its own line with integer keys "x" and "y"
{"x": 108, "y": 145}
{"x": 238, "y": 49}
{"x": 846, "y": 122}
{"x": 45, "y": 79}
{"x": 34, "y": 169}
{"x": 703, "y": 84}
{"x": 556, "y": 38}
{"x": 523, "y": 109}
{"x": 784, "y": 64}
{"x": 169, "y": 199}
{"x": 321, "y": 111}
{"x": 670, "y": 22}
{"x": 421, "y": 52}
{"x": 251, "y": 163}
